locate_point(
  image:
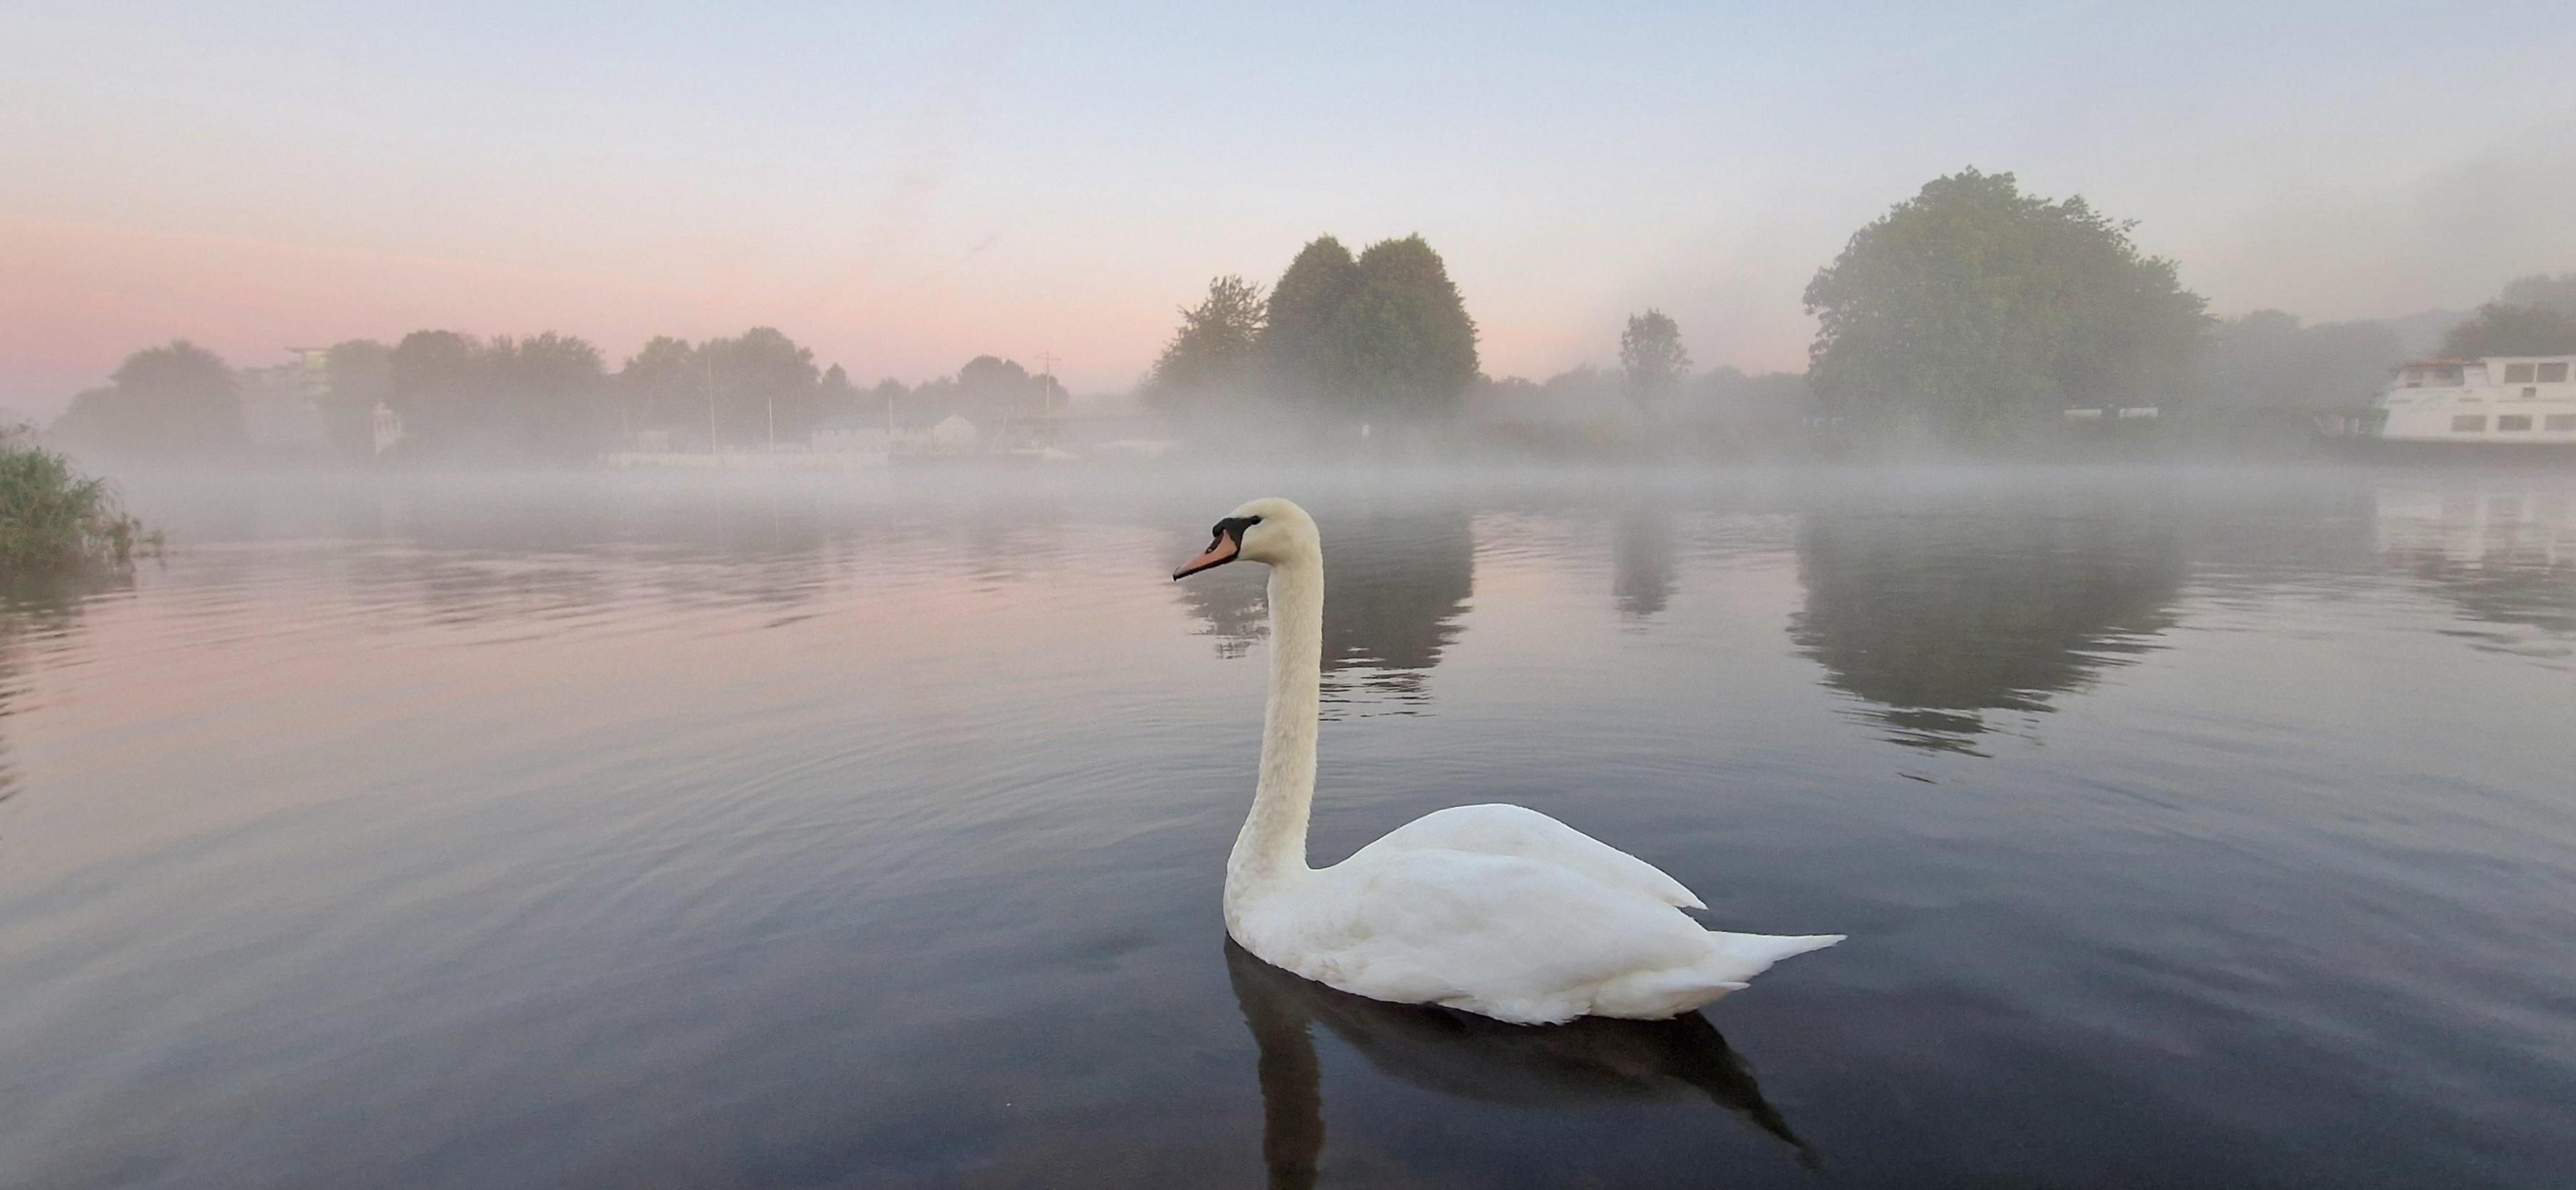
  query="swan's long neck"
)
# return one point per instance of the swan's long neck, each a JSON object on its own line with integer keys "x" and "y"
{"x": 1272, "y": 846}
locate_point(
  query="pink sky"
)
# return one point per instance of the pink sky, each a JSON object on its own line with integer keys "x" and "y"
{"x": 902, "y": 189}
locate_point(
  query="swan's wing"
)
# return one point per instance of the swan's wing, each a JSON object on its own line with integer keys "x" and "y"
{"x": 1520, "y": 831}
{"x": 1520, "y": 939}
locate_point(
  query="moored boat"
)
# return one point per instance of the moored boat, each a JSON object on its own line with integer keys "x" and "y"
{"x": 2485, "y": 405}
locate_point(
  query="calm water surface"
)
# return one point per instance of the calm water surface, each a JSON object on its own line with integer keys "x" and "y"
{"x": 2190, "y": 828}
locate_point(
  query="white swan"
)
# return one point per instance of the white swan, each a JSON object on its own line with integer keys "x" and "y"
{"x": 1496, "y": 910}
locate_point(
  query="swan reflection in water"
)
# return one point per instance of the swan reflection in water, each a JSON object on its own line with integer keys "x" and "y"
{"x": 1586, "y": 1061}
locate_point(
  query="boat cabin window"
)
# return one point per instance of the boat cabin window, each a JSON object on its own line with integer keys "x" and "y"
{"x": 2514, "y": 421}
{"x": 2560, "y": 423}
{"x": 2469, "y": 423}
{"x": 2517, "y": 373}
{"x": 2432, "y": 376}
{"x": 2554, "y": 373}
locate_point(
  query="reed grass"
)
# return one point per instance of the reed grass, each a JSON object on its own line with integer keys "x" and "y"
{"x": 54, "y": 518}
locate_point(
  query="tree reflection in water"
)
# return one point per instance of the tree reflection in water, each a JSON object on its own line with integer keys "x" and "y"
{"x": 1582, "y": 1063}
{"x": 1230, "y": 601}
{"x": 1395, "y": 584}
{"x": 1641, "y": 559}
{"x": 1941, "y": 614}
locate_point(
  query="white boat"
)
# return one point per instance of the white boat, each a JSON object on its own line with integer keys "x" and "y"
{"x": 2502, "y": 400}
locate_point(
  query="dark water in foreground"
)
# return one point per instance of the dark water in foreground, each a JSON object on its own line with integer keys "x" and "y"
{"x": 2190, "y": 828}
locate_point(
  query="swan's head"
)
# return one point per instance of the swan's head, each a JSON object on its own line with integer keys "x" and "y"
{"x": 1269, "y": 530}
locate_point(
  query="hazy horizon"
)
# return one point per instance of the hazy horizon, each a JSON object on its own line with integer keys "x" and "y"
{"x": 905, "y": 189}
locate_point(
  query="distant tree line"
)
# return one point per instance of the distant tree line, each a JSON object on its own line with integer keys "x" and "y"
{"x": 1970, "y": 314}
{"x": 2535, "y": 315}
{"x": 2269, "y": 360}
{"x": 1649, "y": 403}
{"x": 541, "y": 399}
{"x": 1385, "y": 338}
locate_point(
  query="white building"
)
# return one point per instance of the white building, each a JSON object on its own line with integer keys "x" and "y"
{"x": 952, "y": 435}
{"x": 387, "y": 426}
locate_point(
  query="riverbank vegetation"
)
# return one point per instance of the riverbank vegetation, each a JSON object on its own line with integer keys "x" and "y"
{"x": 53, "y": 519}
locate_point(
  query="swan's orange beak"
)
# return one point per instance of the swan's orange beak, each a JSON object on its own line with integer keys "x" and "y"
{"x": 1219, "y": 552}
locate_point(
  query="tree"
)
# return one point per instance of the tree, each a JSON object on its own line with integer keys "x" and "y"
{"x": 1978, "y": 312}
{"x": 1410, "y": 345}
{"x": 1652, "y": 360}
{"x": 545, "y": 397}
{"x": 1384, "y": 336}
{"x": 738, "y": 391}
{"x": 764, "y": 384}
{"x": 1297, "y": 342}
{"x": 2540, "y": 289}
{"x": 887, "y": 398}
{"x": 990, "y": 388}
{"x": 167, "y": 402}
{"x": 1215, "y": 353}
{"x": 437, "y": 390}
{"x": 361, "y": 376}
{"x": 549, "y": 394}
{"x": 665, "y": 387}
{"x": 835, "y": 396}
{"x": 2500, "y": 329}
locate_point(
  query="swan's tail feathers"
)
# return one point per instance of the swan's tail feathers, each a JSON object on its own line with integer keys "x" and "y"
{"x": 1731, "y": 961}
{"x": 1753, "y": 953}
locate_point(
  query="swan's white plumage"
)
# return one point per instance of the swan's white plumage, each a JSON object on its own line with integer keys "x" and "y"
{"x": 1494, "y": 909}
{"x": 1499, "y": 829}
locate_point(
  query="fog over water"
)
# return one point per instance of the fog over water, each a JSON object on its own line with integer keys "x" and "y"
{"x": 2191, "y": 825}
